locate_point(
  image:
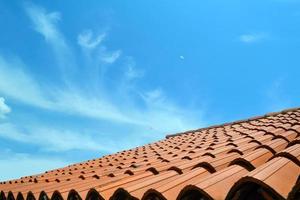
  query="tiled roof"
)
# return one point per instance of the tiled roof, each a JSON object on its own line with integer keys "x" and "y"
{"x": 258, "y": 158}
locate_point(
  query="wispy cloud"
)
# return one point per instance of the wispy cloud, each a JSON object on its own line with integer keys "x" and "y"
{"x": 149, "y": 111}
{"x": 87, "y": 40}
{"x": 161, "y": 109}
{"x": 98, "y": 106}
{"x": 102, "y": 104}
{"x": 137, "y": 114}
{"x": 90, "y": 41}
{"x": 57, "y": 140}
{"x": 252, "y": 37}
{"x": 46, "y": 24}
{"x": 61, "y": 100}
{"x": 133, "y": 73}
{"x": 110, "y": 57}
{"x": 10, "y": 86}
{"x": 4, "y": 108}
{"x": 94, "y": 106}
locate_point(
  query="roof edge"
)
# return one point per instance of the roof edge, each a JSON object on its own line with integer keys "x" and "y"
{"x": 236, "y": 122}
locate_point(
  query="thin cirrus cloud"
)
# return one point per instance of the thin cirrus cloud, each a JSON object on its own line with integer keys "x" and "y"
{"x": 89, "y": 41}
{"x": 4, "y": 108}
{"x": 86, "y": 40}
{"x": 252, "y": 37}
{"x": 110, "y": 57}
{"x": 74, "y": 101}
{"x": 57, "y": 140}
{"x": 132, "y": 73}
{"x": 46, "y": 24}
{"x": 156, "y": 115}
{"x": 102, "y": 105}
{"x": 62, "y": 100}
{"x": 136, "y": 115}
{"x": 10, "y": 86}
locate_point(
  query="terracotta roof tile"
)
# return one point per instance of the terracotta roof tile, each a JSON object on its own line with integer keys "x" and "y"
{"x": 257, "y": 158}
{"x": 276, "y": 178}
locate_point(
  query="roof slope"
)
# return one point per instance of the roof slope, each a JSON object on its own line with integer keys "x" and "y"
{"x": 258, "y": 158}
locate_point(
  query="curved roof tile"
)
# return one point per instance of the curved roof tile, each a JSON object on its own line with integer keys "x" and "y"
{"x": 259, "y": 156}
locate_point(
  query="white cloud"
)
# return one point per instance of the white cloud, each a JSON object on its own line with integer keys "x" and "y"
{"x": 95, "y": 105}
{"x": 46, "y": 24}
{"x": 133, "y": 73}
{"x": 154, "y": 115}
{"x": 159, "y": 113}
{"x": 153, "y": 95}
{"x": 60, "y": 100}
{"x": 11, "y": 86}
{"x": 100, "y": 104}
{"x": 50, "y": 139}
{"x": 75, "y": 102}
{"x": 252, "y": 37}
{"x": 110, "y": 57}
{"x": 163, "y": 114}
{"x": 86, "y": 40}
{"x": 4, "y": 108}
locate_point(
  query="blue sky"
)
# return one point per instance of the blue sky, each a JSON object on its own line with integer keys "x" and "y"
{"x": 79, "y": 80}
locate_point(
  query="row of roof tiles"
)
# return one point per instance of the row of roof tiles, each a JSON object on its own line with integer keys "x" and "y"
{"x": 257, "y": 158}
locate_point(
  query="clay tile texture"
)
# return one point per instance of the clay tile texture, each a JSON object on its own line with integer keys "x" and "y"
{"x": 256, "y": 158}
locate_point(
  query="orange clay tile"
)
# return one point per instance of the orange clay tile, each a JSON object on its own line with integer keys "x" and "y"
{"x": 257, "y": 158}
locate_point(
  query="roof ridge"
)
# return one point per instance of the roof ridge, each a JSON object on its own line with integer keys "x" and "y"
{"x": 236, "y": 121}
